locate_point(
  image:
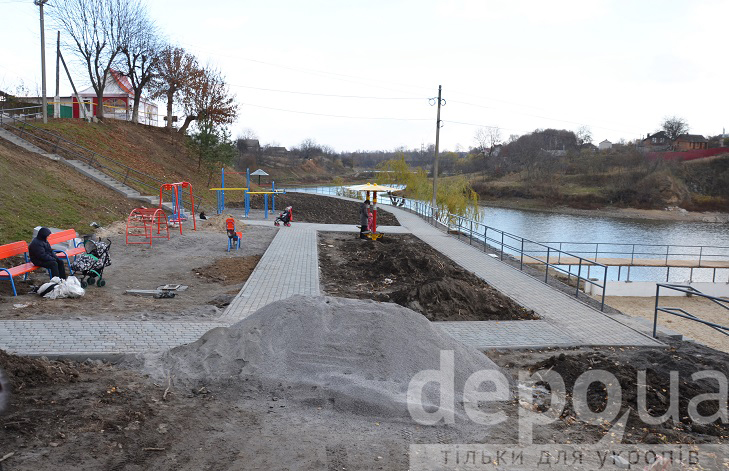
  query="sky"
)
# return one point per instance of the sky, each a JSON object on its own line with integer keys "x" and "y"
{"x": 358, "y": 75}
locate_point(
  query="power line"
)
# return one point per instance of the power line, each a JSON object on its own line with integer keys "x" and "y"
{"x": 325, "y": 94}
{"x": 334, "y": 115}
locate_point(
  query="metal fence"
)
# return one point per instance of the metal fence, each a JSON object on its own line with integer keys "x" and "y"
{"x": 675, "y": 311}
{"x": 486, "y": 237}
{"x": 702, "y": 255}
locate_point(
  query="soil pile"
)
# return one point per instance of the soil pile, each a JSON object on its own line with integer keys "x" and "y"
{"x": 404, "y": 270}
{"x": 683, "y": 357}
{"x": 358, "y": 356}
{"x": 320, "y": 209}
{"x": 229, "y": 271}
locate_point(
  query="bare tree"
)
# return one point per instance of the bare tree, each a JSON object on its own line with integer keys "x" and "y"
{"x": 247, "y": 133}
{"x": 584, "y": 135}
{"x": 487, "y": 140}
{"x": 176, "y": 72}
{"x": 98, "y": 29}
{"x": 674, "y": 126}
{"x": 209, "y": 101}
{"x": 141, "y": 53}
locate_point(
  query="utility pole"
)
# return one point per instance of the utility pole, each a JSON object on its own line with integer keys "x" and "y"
{"x": 40, "y": 3}
{"x": 57, "y": 98}
{"x": 437, "y": 142}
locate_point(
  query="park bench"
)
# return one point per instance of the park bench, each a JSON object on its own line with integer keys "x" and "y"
{"x": 12, "y": 250}
{"x": 66, "y": 236}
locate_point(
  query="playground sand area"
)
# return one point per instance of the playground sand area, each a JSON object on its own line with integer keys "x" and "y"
{"x": 325, "y": 392}
{"x": 197, "y": 259}
{"x": 317, "y": 209}
{"x": 405, "y": 270}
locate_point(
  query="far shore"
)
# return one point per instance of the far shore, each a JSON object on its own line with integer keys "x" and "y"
{"x": 671, "y": 214}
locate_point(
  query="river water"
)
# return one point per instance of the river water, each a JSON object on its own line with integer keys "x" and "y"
{"x": 682, "y": 240}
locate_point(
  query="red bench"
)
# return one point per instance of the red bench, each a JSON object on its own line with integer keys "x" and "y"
{"x": 65, "y": 236}
{"x": 11, "y": 250}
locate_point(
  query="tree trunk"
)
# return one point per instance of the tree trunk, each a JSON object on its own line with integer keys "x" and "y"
{"x": 188, "y": 120}
{"x": 170, "y": 96}
{"x": 135, "y": 108}
{"x": 99, "y": 106}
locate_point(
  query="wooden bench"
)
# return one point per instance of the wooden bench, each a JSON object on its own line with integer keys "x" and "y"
{"x": 11, "y": 250}
{"x": 65, "y": 236}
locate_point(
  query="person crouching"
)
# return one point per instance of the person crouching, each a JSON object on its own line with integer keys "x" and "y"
{"x": 42, "y": 255}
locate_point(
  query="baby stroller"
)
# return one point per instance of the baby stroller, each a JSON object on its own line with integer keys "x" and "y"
{"x": 91, "y": 264}
{"x": 285, "y": 217}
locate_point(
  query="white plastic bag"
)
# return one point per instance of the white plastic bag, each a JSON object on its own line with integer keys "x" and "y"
{"x": 73, "y": 287}
{"x": 70, "y": 288}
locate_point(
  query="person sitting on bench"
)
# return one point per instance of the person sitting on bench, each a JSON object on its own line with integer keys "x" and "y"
{"x": 42, "y": 255}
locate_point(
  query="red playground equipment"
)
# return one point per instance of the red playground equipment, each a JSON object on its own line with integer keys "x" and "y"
{"x": 234, "y": 236}
{"x": 145, "y": 219}
{"x": 178, "y": 213}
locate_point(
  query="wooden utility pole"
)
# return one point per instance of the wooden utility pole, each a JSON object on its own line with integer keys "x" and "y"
{"x": 57, "y": 98}
{"x": 44, "y": 100}
{"x": 437, "y": 142}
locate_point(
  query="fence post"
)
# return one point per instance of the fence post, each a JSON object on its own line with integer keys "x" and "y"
{"x": 485, "y": 232}
{"x": 521, "y": 260}
{"x": 546, "y": 267}
{"x": 655, "y": 312}
{"x": 701, "y": 251}
{"x": 604, "y": 288}
{"x": 579, "y": 276}
{"x": 502, "y": 245}
{"x": 470, "y": 234}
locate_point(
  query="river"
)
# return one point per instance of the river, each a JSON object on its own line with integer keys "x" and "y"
{"x": 616, "y": 236}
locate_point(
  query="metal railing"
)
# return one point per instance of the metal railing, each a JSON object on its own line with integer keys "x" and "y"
{"x": 484, "y": 236}
{"x": 702, "y": 255}
{"x": 56, "y": 144}
{"x": 675, "y": 311}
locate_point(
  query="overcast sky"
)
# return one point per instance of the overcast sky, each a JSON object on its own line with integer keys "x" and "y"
{"x": 618, "y": 67}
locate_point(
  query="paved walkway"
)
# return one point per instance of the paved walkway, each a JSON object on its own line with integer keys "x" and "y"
{"x": 290, "y": 266}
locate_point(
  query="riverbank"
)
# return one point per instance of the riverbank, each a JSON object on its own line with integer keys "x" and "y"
{"x": 669, "y": 214}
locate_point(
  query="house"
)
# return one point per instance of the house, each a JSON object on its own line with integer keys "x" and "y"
{"x": 276, "y": 150}
{"x": 605, "y": 145}
{"x": 249, "y": 145}
{"x": 656, "y": 142}
{"x": 686, "y": 142}
{"x": 588, "y": 146}
{"x": 118, "y": 101}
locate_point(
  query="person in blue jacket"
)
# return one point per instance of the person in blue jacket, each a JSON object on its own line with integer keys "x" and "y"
{"x": 42, "y": 255}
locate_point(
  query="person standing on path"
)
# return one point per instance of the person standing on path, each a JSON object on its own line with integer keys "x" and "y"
{"x": 364, "y": 214}
{"x": 42, "y": 255}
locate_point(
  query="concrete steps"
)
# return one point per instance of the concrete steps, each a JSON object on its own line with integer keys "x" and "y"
{"x": 9, "y": 136}
{"x": 87, "y": 170}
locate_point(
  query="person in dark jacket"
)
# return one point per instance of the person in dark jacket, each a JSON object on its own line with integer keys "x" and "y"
{"x": 42, "y": 255}
{"x": 364, "y": 213}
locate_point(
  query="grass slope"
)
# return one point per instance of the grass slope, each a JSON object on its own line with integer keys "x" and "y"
{"x": 35, "y": 191}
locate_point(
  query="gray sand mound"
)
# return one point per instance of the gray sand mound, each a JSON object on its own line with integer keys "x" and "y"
{"x": 358, "y": 355}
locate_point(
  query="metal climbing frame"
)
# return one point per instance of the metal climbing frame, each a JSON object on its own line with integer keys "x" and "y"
{"x": 145, "y": 219}
{"x": 178, "y": 213}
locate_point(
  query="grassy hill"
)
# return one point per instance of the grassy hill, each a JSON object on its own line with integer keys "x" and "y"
{"x": 36, "y": 191}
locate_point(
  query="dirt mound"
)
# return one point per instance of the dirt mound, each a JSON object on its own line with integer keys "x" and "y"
{"x": 357, "y": 355}
{"x": 229, "y": 271}
{"x": 320, "y": 209}
{"x": 404, "y": 270}
{"x": 24, "y": 372}
{"x": 684, "y": 358}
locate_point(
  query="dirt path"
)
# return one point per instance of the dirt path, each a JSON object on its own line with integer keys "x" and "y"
{"x": 197, "y": 259}
{"x": 404, "y": 270}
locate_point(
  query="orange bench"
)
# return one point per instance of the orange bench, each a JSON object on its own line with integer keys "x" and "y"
{"x": 11, "y": 250}
{"x": 64, "y": 236}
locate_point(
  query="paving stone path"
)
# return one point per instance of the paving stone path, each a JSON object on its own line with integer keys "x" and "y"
{"x": 290, "y": 266}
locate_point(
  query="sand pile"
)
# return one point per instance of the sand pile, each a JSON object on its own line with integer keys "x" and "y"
{"x": 358, "y": 355}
